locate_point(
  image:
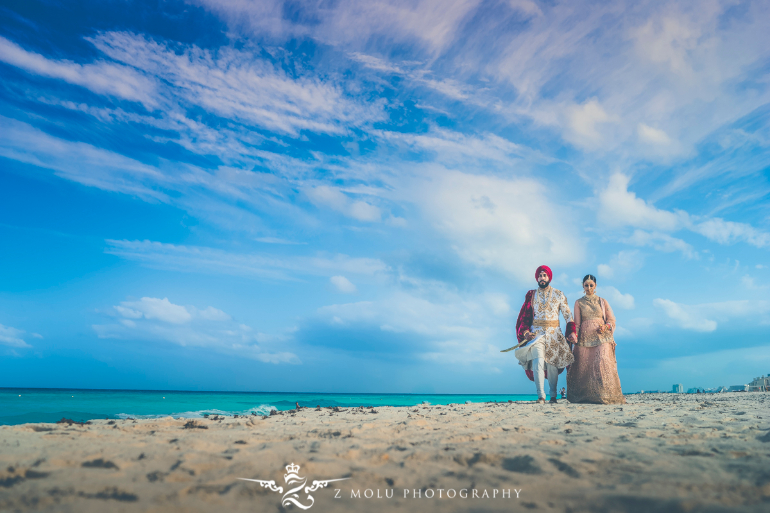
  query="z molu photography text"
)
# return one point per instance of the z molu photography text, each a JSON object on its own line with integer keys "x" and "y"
{"x": 429, "y": 493}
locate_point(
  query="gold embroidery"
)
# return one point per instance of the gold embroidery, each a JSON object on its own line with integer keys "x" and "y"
{"x": 593, "y": 378}
{"x": 591, "y": 320}
{"x": 546, "y": 307}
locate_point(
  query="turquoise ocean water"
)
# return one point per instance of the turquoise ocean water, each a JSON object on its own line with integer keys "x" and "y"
{"x": 23, "y": 405}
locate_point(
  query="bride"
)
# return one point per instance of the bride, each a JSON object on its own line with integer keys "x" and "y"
{"x": 593, "y": 378}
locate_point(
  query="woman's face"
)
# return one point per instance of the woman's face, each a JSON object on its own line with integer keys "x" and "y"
{"x": 590, "y": 287}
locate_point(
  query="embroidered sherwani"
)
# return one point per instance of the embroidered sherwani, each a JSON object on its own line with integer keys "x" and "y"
{"x": 540, "y": 315}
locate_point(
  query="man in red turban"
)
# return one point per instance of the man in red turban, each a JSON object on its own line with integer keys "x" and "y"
{"x": 538, "y": 320}
{"x": 546, "y": 270}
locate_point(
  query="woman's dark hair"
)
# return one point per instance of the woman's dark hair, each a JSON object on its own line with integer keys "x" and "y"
{"x": 589, "y": 277}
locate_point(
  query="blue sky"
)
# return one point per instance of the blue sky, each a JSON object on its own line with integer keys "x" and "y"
{"x": 354, "y": 196}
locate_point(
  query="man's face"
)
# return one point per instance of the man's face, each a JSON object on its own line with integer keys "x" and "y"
{"x": 542, "y": 279}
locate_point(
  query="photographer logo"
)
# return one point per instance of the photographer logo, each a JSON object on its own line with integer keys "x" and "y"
{"x": 295, "y": 487}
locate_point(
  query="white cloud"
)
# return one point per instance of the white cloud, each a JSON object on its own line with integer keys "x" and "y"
{"x": 101, "y": 77}
{"x": 452, "y": 328}
{"x": 498, "y": 303}
{"x": 706, "y": 317}
{"x": 727, "y": 232}
{"x": 621, "y": 207}
{"x": 157, "y": 319}
{"x": 750, "y": 283}
{"x": 332, "y": 197}
{"x": 255, "y": 265}
{"x": 429, "y": 24}
{"x": 364, "y": 211}
{"x": 277, "y": 240}
{"x": 526, "y": 6}
{"x": 461, "y": 150}
{"x": 507, "y": 225}
{"x": 652, "y": 135}
{"x": 80, "y": 162}
{"x": 621, "y": 265}
{"x": 343, "y": 285}
{"x": 213, "y": 314}
{"x": 686, "y": 317}
{"x": 13, "y": 337}
{"x": 154, "y": 308}
{"x": 617, "y": 298}
{"x": 730, "y": 366}
{"x": 585, "y": 122}
{"x": 661, "y": 242}
{"x": 668, "y": 40}
{"x": 677, "y": 74}
{"x": 375, "y": 63}
{"x": 239, "y": 85}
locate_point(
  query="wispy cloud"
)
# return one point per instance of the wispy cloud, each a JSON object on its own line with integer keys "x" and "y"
{"x": 617, "y": 298}
{"x": 343, "y": 284}
{"x": 661, "y": 242}
{"x": 80, "y": 162}
{"x": 156, "y": 319}
{"x": 239, "y": 85}
{"x": 332, "y": 197}
{"x": 706, "y": 317}
{"x": 621, "y": 265}
{"x": 101, "y": 77}
{"x": 430, "y": 24}
{"x": 216, "y": 261}
{"x": 448, "y": 329}
{"x": 14, "y": 337}
{"x": 507, "y": 225}
{"x": 619, "y": 207}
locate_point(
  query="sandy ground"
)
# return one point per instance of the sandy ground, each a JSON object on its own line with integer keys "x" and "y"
{"x": 660, "y": 452}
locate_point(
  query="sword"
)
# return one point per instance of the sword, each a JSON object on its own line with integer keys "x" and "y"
{"x": 520, "y": 344}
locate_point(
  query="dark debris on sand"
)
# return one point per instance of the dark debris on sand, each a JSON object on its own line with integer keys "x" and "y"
{"x": 69, "y": 422}
{"x": 99, "y": 463}
{"x": 191, "y": 424}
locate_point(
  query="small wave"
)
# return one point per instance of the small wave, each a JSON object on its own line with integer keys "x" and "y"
{"x": 262, "y": 409}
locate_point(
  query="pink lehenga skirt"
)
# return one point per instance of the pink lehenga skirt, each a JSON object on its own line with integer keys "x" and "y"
{"x": 593, "y": 378}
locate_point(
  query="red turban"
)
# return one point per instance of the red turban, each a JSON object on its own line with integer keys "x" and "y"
{"x": 547, "y": 271}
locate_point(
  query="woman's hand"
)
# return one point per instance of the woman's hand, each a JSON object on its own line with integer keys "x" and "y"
{"x": 572, "y": 338}
{"x": 605, "y": 328}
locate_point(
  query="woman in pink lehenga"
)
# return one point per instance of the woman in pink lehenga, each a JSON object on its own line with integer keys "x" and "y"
{"x": 593, "y": 378}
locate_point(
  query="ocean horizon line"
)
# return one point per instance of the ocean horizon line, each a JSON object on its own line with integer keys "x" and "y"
{"x": 250, "y": 392}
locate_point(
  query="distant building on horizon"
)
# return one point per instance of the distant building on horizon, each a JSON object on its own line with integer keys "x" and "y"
{"x": 739, "y": 388}
{"x": 714, "y": 390}
{"x": 678, "y": 389}
{"x": 760, "y": 384}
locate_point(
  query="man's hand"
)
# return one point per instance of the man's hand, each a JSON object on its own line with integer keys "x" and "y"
{"x": 572, "y": 338}
{"x": 529, "y": 336}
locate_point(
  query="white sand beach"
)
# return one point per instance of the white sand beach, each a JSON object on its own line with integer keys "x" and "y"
{"x": 659, "y": 452}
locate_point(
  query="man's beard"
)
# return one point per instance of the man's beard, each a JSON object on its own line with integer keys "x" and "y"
{"x": 543, "y": 284}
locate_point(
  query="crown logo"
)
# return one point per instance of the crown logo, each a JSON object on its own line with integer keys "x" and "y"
{"x": 295, "y": 486}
